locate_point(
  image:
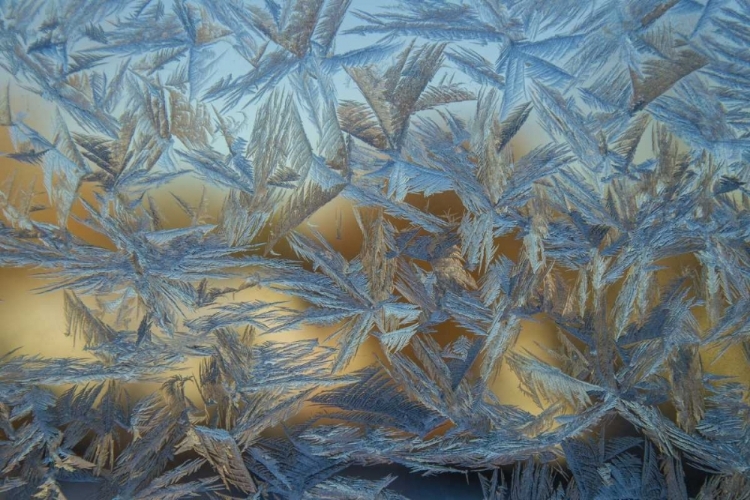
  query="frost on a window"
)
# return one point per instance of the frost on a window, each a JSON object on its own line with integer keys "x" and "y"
{"x": 586, "y": 146}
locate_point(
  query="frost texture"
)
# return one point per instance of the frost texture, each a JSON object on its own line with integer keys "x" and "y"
{"x": 641, "y": 156}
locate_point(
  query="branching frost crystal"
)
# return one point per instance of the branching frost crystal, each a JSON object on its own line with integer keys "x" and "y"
{"x": 579, "y": 164}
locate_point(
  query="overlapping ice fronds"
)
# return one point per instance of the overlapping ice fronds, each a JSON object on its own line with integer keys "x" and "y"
{"x": 585, "y": 145}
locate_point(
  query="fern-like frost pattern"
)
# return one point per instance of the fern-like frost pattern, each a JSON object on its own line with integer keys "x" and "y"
{"x": 584, "y": 146}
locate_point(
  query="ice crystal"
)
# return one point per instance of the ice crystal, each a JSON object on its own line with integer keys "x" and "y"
{"x": 587, "y": 146}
